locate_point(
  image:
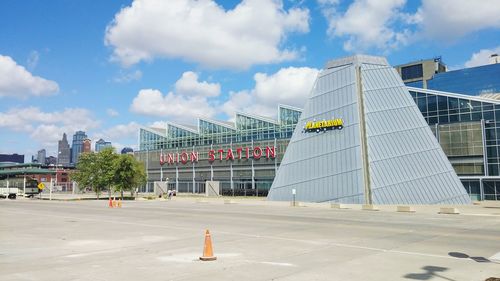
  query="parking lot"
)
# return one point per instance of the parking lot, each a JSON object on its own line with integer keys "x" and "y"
{"x": 253, "y": 240}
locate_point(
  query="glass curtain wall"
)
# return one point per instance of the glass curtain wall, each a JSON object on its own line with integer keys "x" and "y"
{"x": 247, "y": 128}
{"x": 468, "y": 130}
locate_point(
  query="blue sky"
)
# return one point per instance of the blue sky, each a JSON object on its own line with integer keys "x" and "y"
{"x": 107, "y": 67}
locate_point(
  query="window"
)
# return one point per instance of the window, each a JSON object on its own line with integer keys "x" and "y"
{"x": 412, "y": 72}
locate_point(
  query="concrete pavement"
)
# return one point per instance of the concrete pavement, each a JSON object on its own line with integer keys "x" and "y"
{"x": 253, "y": 240}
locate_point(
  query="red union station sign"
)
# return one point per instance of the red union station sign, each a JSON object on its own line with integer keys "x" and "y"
{"x": 256, "y": 153}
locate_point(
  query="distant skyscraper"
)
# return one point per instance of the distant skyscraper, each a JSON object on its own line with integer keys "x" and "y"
{"x": 64, "y": 152}
{"x": 77, "y": 146}
{"x": 127, "y": 150}
{"x": 87, "y": 144}
{"x": 41, "y": 155}
{"x": 101, "y": 144}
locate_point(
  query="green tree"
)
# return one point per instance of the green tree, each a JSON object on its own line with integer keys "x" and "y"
{"x": 85, "y": 172}
{"x": 128, "y": 174}
{"x": 96, "y": 170}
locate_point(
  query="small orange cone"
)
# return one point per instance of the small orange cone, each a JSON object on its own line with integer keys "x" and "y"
{"x": 110, "y": 203}
{"x": 208, "y": 254}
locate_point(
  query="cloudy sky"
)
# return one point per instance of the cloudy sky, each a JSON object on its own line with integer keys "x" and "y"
{"x": 107, "y": 67}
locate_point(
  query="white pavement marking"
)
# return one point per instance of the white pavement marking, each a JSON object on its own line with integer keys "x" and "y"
{"x": 495, "y": 257}
{"x": 278, "y": 263}
{"x": 91, "y": 253}
{"x": 183, "y": 258}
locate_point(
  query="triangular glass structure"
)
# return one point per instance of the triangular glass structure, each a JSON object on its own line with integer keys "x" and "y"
{"x": 361, "y": 139}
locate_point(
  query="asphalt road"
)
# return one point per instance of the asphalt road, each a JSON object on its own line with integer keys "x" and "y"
{"x": 162, "y": 240}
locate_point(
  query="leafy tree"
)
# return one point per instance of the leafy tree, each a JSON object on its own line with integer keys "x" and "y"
{"x": 106, "y": 160}
{"x": 96, "y": 170}
{"x": 128, "y": 174}
{"x": 85, "y": 172}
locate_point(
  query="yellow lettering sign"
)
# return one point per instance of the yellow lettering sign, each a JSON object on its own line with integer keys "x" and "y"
{"x": 319, "y": 126}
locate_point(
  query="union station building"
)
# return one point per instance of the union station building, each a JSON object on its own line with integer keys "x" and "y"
{"x": 244, "y": 156}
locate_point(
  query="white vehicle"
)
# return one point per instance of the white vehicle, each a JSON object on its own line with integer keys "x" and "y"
{"x": 10, "y": 188}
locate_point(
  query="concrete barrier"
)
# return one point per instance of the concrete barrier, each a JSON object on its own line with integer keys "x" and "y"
{"x": 407, "y": 209}
{"x": 201, "y": 201}
{"x": 338, "y": 206}
{"x": 449, "y": 210}
{"x": 370, "y": 208}
{"x": 229, "y": 201}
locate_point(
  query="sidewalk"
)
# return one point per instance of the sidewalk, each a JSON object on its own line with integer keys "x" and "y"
{"x": 480, "y": 208}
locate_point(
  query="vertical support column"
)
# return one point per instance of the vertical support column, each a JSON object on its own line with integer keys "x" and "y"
{"x": 24, "y": 185}
{"x": 276, "y": 156}
{"x": 481, "y": 189}
{"x": 231, "y": 175}
{"x": 194, "y": 176}
{"x": 147, "y": 173}
{"x": 485, "y": 151}
{"x": 253, "y": 171}
{"x": 176, "y": 178}
{"x": 436, "y": 129}
{"x": 231, "y": 170}
{"x": 211, "y": 166}
{"x": 51, "y": 186}
{"x": 161, "y": 165}
{"x": 364, "y": 140}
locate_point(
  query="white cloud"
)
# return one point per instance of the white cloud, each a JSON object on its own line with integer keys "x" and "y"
{"x": 120, "y": 135}
{"x": 32, "y": 61}
{"x": 158, "y": 124}
{"x": 188, "y": 85}
{"x": 204, "y": 32}
{"x": 175, "y": 107}
{"x": 453, "y": 19}
{"x": 240, "y": 101}
{"x": 121, "y": 131}
{"x": 290, "y": 86}
{"x": 49, "y": 134}
{"x": 383, "y": 24}
{"x": 482, "y": 57}
{"x": 112, "y": 113}
{"x": 16, "y": 81}
{"x": 128, "y": 77}
{"x": 25, "y": 119}
{"x": 47, "y": 127}
{"x": 190, "y": 100}
{"x": 366, "y": 23}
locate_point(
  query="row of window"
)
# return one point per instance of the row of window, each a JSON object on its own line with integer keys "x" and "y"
{"x": 247, "y": 129}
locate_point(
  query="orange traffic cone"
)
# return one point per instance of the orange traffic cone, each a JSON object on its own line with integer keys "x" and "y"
{"x": 119, "y": 203}
{"x": 110, "y": 203}
{"x": 114, "y": 203}
{"x": 208, "y": 254}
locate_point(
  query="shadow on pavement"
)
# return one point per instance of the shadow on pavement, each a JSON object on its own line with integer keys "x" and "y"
{"x": 465, "y": 256}
{"x": 430, "y": 272}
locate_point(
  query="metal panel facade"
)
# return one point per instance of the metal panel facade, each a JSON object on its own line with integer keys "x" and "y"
{"x": 325, "y": 166}
{"x": 406, "y": 164}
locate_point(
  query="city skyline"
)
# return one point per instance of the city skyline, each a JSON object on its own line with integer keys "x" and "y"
{"x": 89, "y": 66}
